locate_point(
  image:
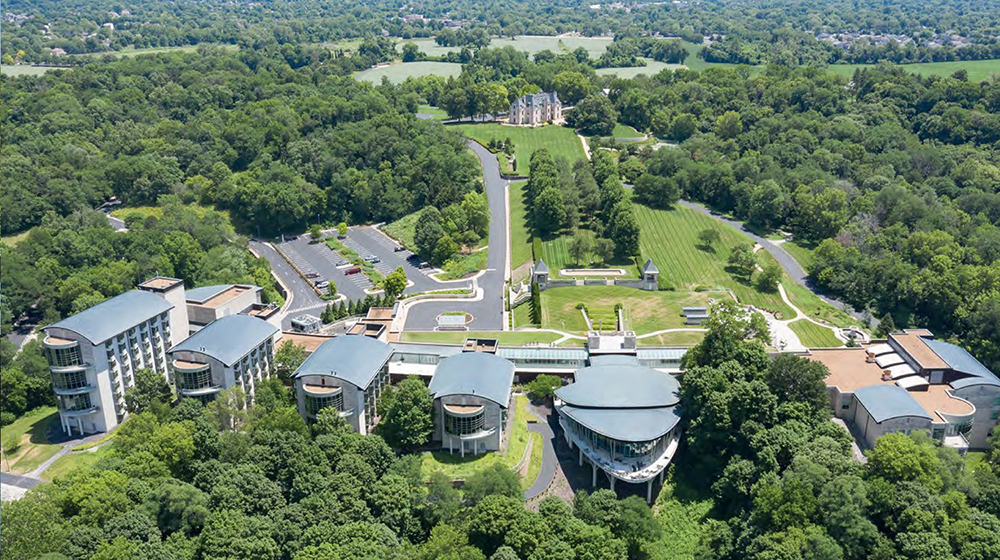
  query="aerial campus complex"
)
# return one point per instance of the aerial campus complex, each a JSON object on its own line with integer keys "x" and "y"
{"x": 618, "y": 408}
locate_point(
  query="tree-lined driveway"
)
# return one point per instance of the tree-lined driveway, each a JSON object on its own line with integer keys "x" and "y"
{"x": 487, "y": 311}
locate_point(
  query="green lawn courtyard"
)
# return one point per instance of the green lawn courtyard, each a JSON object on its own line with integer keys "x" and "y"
{"x": 814, "y": 336}
{"x": 455, "y": 466}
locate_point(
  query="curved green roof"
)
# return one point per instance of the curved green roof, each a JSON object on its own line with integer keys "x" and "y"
{"x": 962, "y": 361}
{"x": 116, "y": 315}
{"x": 621, "y": 387}
{"x": 889, "y": 401}
{"x": 355, "y": 359}
{"x": 474, "y": 373}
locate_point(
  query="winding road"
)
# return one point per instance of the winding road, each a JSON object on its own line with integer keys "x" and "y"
{"x": 487, "y": 308}
{"x": 787, "y": 262}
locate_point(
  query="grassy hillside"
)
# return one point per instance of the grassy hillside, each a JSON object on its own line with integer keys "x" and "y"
{"x": 559, "y": 140}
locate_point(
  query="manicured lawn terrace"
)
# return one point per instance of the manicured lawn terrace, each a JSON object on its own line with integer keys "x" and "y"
{"x": 520, "y": 233}
{"x": 555, "y": 253}
{"x": 645, "y": 312}
{"x": 680, "y": 338}
{"x": 455, "y": 466}
{"x": 559, "y": 140}
{"x": 813, "y": 335}
{"x": 398, "y": 73}
{"x": 670, "y": 238}
{"x": 32, "y": 431}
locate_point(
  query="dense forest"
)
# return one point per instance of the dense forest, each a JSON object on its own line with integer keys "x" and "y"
{"x": 280, "y": 137}
{"x": 786, "y": 32}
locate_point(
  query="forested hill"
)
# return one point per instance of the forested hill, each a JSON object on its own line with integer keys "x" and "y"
{"x": 277, "y": 136}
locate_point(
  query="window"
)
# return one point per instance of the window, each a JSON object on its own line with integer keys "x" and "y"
{"x": 69, "y": 380}
{"x": 192, "y": 381}
{"x": 75, "y": 402}
{"x": 65, "y": 357}
{"x": 995, "y": 413}
{"x": 315, "y": 404}
{"x": 464, "y": 425}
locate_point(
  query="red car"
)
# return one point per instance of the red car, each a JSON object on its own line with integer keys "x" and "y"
{"x": 351, "y": 271}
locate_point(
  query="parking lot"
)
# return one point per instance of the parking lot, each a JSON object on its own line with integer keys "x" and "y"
{"x": 319, "y": 259}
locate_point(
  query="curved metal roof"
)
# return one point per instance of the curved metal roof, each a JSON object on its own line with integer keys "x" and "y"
{"x": 474, "y": 373}
{"x": 228, "y": 339}
{"x": 355, "y": 359}
{"x": 621, "y": 387}
{"x": 889, "y": 401}
{"x": 116, "y": 315}
{"x": 639, "y": 424}
{"x": 960, "y": 360}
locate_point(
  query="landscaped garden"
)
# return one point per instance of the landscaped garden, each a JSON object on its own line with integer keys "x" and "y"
{"x": 812, "y": 335}
{"x": 458, "y": 467}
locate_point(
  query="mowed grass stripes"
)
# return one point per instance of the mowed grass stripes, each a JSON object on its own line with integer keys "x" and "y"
{"x": 561, "y": 141}
{"x": 670, "y": 238}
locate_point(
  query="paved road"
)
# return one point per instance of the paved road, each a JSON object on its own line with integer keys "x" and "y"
{"x": 487, "y": 313}
{"x": 19, "y": 480}
{"x": 787, "y": 262}
{"x": 304, "y": 299}
{"x": 549, "y": 460}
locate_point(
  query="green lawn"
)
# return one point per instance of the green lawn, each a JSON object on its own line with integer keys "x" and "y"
{"x": 979, "y": 70}
{"x": 463, "y": 264}
{"x": 652, "y": 68}
{"x": 436, "y": 113}
{"x": 74, "y": 461}
{"x": 402, "y": 229}
{"x": 520, "y": 233}
{"x": 644, "y": 311}
{"x": 455, "y": 466}
{"x": 398, "y": 73}
{"x": 534, "y": 462}
{"x": 595, "y": 46}
{"x": 814, "y": 307}
{"x": 814, "y": 336}
{"x": 555, "y": 253}
{"x": 670, "y": 238}
{"x": 625, "y": 131}
{"x": 800, "y": 252}
{"x": 560, "y": 140}
{"x": 506, "y": 338}
{"x": 32, "y": 430}
{"x": 680, "y": 338}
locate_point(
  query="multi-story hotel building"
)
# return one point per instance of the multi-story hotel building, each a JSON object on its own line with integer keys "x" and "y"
{"x": 93, "y": 355}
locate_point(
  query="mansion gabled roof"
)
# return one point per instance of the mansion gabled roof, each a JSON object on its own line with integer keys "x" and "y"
{"x": 532, "y": 100}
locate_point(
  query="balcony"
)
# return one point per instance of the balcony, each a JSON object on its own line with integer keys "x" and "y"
{"x": 79, "y": 390}
{"x": 56, "y": 343}
{"x": 635, "y": 469}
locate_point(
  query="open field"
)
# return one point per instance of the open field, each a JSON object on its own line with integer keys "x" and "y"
{"x": 398, "y": 73}
{"x": 520, "y": 233}
{"x": 978, "y": 70}
{"x": 506, "y": 338}
{"x": 652, "y": 68}
{"x": 426, "y": 45}
{"x": 74, "y": 461}
{"x": 625, "y": 131}
{"x": 644, "y": 311}
{"x": 26, "y": 70}
{"x": 560, "y": 140}
{"x": 670, "y": 238}
{"x": 532, "y": 44}
{"x": 32, "y": 431}
{"x": 455, "y": 466}
{"x": 814, "y": 336}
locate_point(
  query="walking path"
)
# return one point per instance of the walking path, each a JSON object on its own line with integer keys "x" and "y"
{"x": 787, "y": 262}
{"x": 549, "y": 461}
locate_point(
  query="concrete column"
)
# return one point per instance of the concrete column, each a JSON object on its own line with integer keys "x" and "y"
{"x": 463, "y": 448}
{"x": 649, "y": 491}
{"x": 593, "y": 476}
{"x": 613, "y": 479}
{"x": 661, "y": 477}
{"x": 581, "y": 457}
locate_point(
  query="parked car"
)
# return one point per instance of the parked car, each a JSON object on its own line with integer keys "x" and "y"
{"x": 351, "y": 271}
{"x": 373, "y": 259}
{"x": 322, "y": 285}
{"x": 399, "y": 249}
{"x": 424, "y": 265}
{"x": 312, "y": 275}
{"x": 343, "y": 262}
